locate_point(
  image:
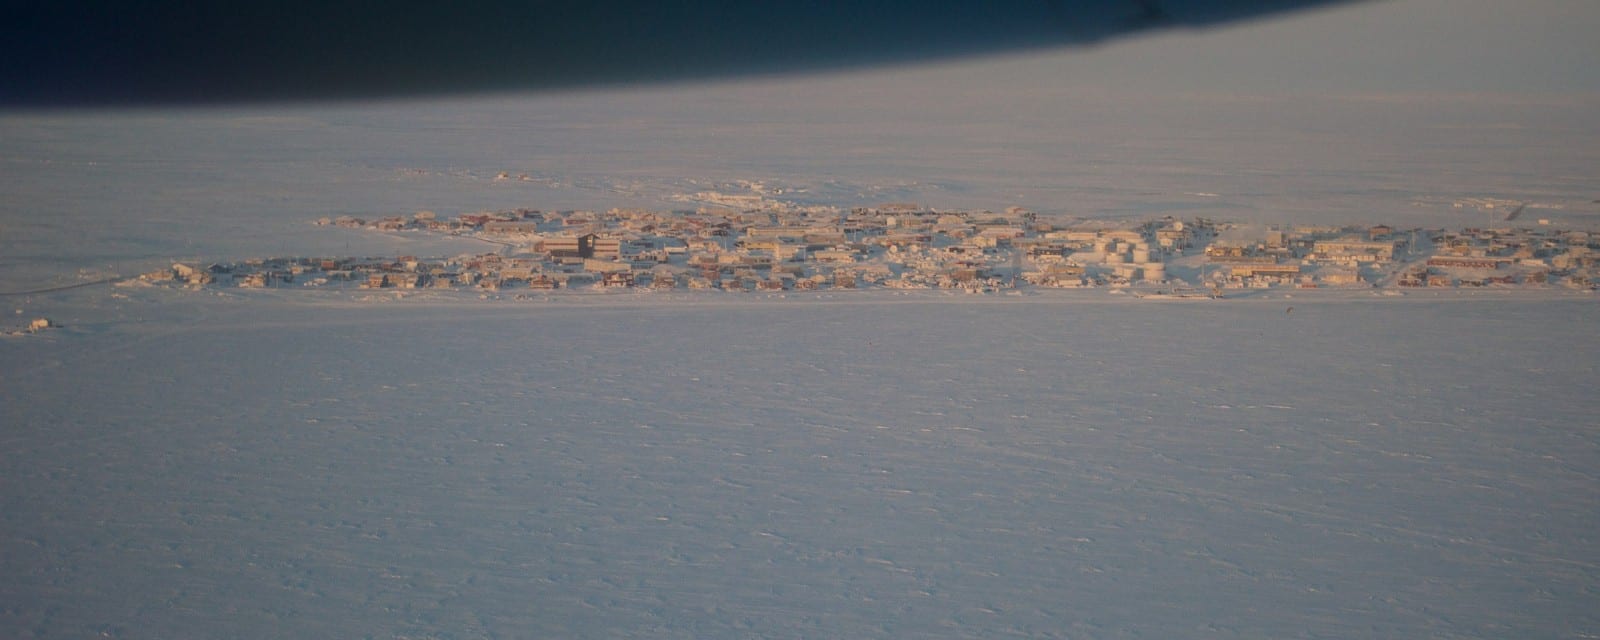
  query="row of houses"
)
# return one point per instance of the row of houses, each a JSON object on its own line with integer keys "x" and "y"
{"x": 1476, "y": 257}
{"x": 894, "y": 245}
{"x": 912, "y": 246}
{"x": 1367, "y": 256}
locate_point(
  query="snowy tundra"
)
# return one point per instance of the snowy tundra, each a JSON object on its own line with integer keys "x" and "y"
{"x": 192, "y": 465}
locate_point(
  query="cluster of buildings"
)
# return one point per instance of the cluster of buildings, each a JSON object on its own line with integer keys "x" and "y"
{"x": 1307, "y": 256}
{"x": 1383, "y": 256}
{"x": 911, "y": 246}
{"x": 34, "y": 326}
{"x": 780, "y": 248}
{"x": 1487, "y": 257}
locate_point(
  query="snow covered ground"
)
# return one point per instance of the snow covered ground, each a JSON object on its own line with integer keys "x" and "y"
{"x": 317, "y": 464}
{"x": 195, "y": 465}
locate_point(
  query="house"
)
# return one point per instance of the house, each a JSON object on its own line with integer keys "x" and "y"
{"x": 1355, "y": 250}
{"x": 511, "y": 227}
{"x": 834, "y": 255}
{"x": 596, "y": 265}
{"x": 255, "y": 280}
{"x": 1278, "y": 270}
{"x": 393, "y": 223}
{"x": 518, "y": 269}
{"x": 443, "y": 280}
{"x": 1467, "y": 262}
{"x": 407, "y": 280}
{"x": 159, "y": 275}
{"x": 1341, "y": 278}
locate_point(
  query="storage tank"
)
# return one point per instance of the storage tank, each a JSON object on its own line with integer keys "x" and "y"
{"x": 1155, "y": 272}
{"x": 1141, "y": 255}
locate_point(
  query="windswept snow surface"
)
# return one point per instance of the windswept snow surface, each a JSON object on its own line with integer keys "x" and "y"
{"x": 865, "y": 466}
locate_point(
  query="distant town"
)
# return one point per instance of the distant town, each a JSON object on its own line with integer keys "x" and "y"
{"x": 774, "y": 247}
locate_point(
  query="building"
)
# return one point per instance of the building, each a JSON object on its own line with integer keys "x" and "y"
{"x": 1278, "y": 270}
{"x": 1355, "y": 250}
{"x": 584, "y": 246}
{"x": 1467, "y": 262}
